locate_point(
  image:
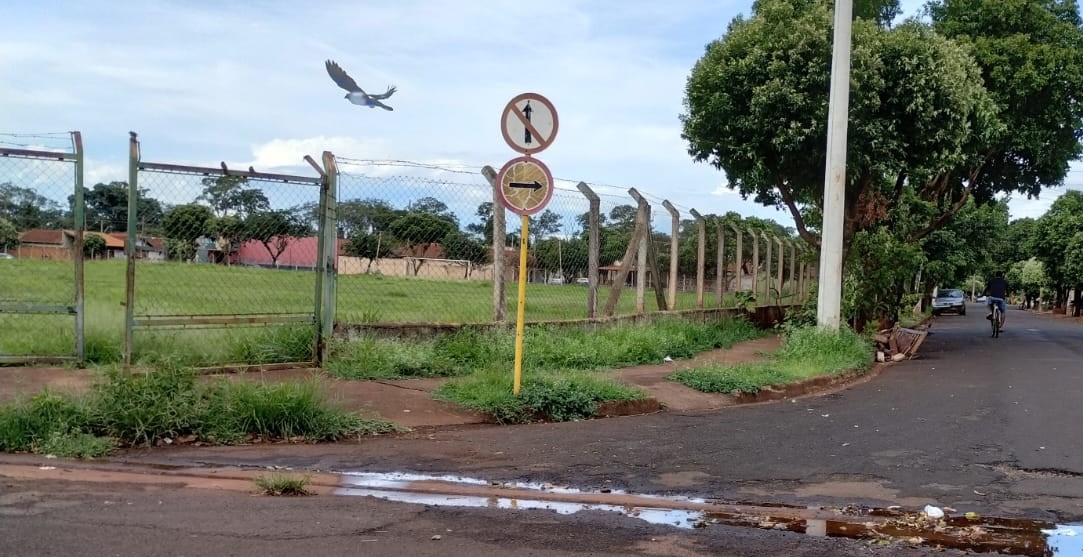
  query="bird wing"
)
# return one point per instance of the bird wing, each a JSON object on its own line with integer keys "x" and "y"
{"x": 341, "y": 78}
{"x": 379, "y": 104}
{"x": 390, "y": 91}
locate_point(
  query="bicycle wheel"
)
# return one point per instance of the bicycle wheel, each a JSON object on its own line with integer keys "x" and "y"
{"x": 995, "y": 321}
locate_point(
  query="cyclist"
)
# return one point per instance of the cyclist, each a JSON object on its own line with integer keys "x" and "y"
{"x": 996, "y": 292}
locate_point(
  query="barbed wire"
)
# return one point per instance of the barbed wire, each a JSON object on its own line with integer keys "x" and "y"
{"x": 23, "y": 140}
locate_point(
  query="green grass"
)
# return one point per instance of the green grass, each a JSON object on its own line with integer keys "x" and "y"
{"x": 202, "y": 289}
{"x": 805, "y": 352}
{"x": 544, "y": 396}
{"x": 546, "y": 348}
{"x": 277, "y": 484}
{"x": 139, "y": 409}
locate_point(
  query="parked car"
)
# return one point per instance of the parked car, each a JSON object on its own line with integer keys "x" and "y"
{"x": 555, "y": 280}
{"x": 583, "y": 281}
{"x": 6, "y": 256}
{"x": 950, "y": 300}
{"x": 981, "y": 299}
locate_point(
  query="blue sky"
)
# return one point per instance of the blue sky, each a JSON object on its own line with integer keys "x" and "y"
{"x": 203, "y": 82}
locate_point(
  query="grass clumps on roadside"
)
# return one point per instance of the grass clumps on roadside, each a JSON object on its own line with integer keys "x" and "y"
{"x": 551, "y": 348}
{"x": 135, "y": 408}
{"x": 805, "y": 352}
{"x": 551, "y": 397}
{"x": 278, "y": 485}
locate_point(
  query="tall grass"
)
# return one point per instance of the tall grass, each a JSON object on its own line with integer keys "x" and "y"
{"x": 805, "y": 352}
{"x": 546, "y": 348}
{"x": 555, "y": 396}
{"x": 130, "y": 409}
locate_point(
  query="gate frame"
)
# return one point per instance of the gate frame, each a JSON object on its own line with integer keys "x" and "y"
{"x": 78, "y": 224}
{"x": 315, "y": 317}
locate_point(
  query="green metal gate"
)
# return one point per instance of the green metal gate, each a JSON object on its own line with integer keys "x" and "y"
{"x": 235, "y": 273}
{"x": 42, "y": 316}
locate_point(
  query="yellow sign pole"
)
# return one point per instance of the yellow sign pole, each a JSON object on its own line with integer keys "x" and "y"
{"x": 521, "y": 316}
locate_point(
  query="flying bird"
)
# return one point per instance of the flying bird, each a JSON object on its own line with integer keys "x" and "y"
{"x": 355, "y": 94}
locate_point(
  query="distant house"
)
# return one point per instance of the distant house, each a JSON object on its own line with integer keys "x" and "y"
{"x": 114, "y": 246}
{"x": 41, "y": 243}
{"x": 296, "y": 252}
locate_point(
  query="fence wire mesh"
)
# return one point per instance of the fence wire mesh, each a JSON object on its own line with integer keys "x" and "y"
{"x": 416, "y": 245}
{"x": 39, "y": 257}
{"x": 413, "y": 247}
{"x": 411, "y": 243}
{"x": 214, "y": 249}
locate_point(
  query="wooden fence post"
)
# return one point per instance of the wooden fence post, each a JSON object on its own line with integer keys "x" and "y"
{"x": 701, "y": 255}
{"x": 500, "y": 234}
{"x": 594, "y": 246}
{"x": 674, "y": 252}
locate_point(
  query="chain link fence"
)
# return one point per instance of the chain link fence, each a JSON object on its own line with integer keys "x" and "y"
{"x": 221, "y": 265}
{"x": 41, "y": 248}
{"x": 211, "y": 250}
{"x": 422, "y": 244}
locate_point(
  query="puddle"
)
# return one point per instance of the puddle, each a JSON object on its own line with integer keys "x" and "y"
{"x": 397, "y": 486}
{"x": 1065, "y": 539}
{"x": 884, "y": 526}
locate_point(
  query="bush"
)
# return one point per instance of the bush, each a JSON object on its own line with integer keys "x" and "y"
{"x": 550, "y": 396}
{"x": 30, "y": 422}
{"x": 142, "y": 408}
{"x": 276, "y": 484}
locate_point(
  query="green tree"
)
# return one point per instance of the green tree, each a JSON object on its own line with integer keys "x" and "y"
{"x": 464, "y": 248}
{"x": 227, "y": 195}
{"x": 365, "y": 216}
{"x": 107, "y": 207}
{"x": 93, "y": 245}
{"x": 622, "y": 218}
{"x": 1030, "y": 278}
{"x": 1031, "y": 57}
{"x": 544, "y": 225}
{"x": 1054, "y": 235}
{"x": 368, "y": 246}
{"x": 184, "y": 225}
{"x": 484, "y": 228}
{"x": 435, "y": 207}
{"x": 24, "y": 208}
{"x": 9, "y": 235}
{"x": 229, "y": 233}
{"x": 415, "y": 231}
{"x": 756, "y": 108}
{"x": 274, "y": 229}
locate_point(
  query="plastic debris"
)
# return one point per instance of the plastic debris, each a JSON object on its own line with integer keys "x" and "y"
{"x": 933, "y": 512}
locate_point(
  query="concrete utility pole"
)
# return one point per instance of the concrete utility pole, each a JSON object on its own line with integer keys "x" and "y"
{"x": 829, "y": 297}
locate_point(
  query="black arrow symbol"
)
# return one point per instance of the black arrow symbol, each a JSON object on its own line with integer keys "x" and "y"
{"x": 526, "y": 133}
{"x": 535, "y": 185}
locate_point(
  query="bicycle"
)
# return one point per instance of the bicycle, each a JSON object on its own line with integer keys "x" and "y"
{"x": 995, "y": 318}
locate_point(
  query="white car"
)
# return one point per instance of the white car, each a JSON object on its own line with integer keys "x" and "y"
{"x": 6, "y": 256}
{"x": 951, "y": 299}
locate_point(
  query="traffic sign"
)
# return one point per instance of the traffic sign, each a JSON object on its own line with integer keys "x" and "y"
{"x": 525, "y": 185}
{"x": 529, "y": 123}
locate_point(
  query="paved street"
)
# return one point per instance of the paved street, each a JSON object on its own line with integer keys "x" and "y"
{"x": 974, "y": 424}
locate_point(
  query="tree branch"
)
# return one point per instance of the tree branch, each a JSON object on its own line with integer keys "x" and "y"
{"x": 955, "y": 207}
{"x": 799, "y": 221}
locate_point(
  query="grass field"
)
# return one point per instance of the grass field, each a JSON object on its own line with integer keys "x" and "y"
{"x": 199, "y": 289}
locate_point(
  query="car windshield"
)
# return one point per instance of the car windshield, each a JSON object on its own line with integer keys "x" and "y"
{"x": 951, "y": 294}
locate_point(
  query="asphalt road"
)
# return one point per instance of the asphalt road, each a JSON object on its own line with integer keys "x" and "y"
{"x": 974, "y": 424}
